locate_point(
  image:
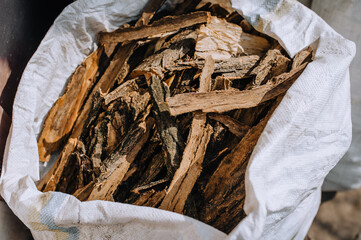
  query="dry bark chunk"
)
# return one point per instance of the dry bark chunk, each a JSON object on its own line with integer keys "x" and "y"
{"x": 191, "y": 165}
{"x": 164, "y": 25}
{"x": 62, "y": 116}
{"x": 117, "y": 164}
{"x": 223, "y": 101}
{"x": 223, "y": 40}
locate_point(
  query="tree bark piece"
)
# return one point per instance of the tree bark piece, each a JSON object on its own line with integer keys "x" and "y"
{"x": 164, "y": 25}
{"x": 63, "y": 114}
{"x": 232, "y": 124}
{"x": 83, "y": 193}
{"x": 150, "y": 185}
{"x": 166, "y": 126}
{"x": 152, "y": 198}
{"x": 273, "y": 64}
{"x": 117, "y": 164}
{"x": 148, "y": 13}
{"x": 104, "y": 84}
{"x": 191, "y": 165}
{"x": 50, "y": 181}
{"x": 223, "y": 40}
{"x": 242, "y": 65}
{"x": 121, "y": 91}
{"x": 223, "y": 101}
{"x": 159, "y": 62}
{"x": 301, "y": 57}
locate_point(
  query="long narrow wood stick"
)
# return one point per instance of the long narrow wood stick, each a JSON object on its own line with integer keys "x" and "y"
{"x": 191, "y": 165}
{"x": 64, "y": 113}
{"x": 232, "y": 124}
{"x": 223, "y": 101}
{"x": 165, "y": 25}
{"x": 148, "y": 13}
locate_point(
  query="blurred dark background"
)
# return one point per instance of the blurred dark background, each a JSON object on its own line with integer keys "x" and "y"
{"x": 23, "y": 23}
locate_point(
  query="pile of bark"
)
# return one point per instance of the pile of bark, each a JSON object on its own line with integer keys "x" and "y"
{"x": 167, "y": 111}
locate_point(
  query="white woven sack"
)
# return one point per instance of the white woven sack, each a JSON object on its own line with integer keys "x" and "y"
{"x": 306, "y": 136}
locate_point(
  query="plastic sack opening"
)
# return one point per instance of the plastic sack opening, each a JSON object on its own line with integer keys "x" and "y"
{"x": 304, "y": 139}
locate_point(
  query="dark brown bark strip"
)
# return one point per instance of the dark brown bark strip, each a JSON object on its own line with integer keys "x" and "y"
{"x": 118, "y": 163}
{"x": 301, "y": 57}
{"x": 191, "y": 165}
{"x": 167, "y": 128}
{"x": 273, "y": 63}
{"x": 164, "y": 25}
{"x": 232, "y": 124}
{"x": 241, "y": 64}
{"x": 50, "y": 181}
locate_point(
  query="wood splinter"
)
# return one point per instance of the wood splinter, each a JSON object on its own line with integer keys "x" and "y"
{"x": 223, "y": 101}
{"x": 191, "y": 164}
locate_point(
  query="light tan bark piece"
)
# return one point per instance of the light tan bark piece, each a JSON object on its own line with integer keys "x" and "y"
{"x": 223, "y": 101}
{"x": 301, "y": 57}
{"x": 274, "y": 63}
{"x": 65, "y": 111}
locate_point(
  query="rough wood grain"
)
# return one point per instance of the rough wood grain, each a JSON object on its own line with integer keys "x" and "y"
{"x": 121, "y": 91}
{"x": 50, "y": 181}
{"x": 166, "y": 126}
{"x": 152, "y": 198}
{"x": 164, "y": 25}
{"x": 159, "y": 62}
{"x": 83, "y": 193}
{"x": 59, "y": 121}
{"x": 191, "y": 164}
{"x": 117, "y": 164}
{"x": 104, "y": 84}
{"x": 273, "y": 64}
{"x": 242, "y": 65}
{"x": 223, "y": 101}
{"x": 148, "y": 13}
{"x": 232, "y": 124}
{"x": 225, "y": 191}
